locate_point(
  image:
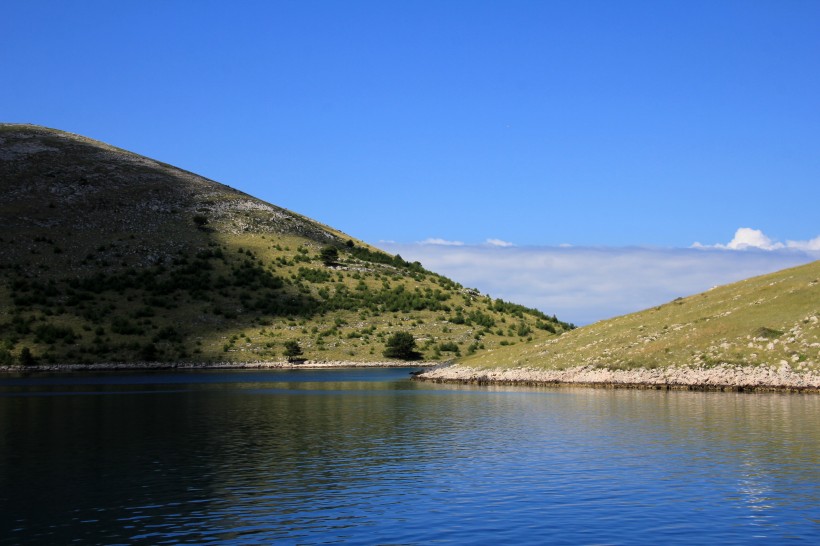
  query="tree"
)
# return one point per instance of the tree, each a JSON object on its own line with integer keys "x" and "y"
{"x": 149, "y": 352}
{"x": 329, "y": 255}
{"x": 200, "y": 220}
{"x": 401, "y": 345}
{"x": 26, "y": 358}
{"x": 292, "y": 350}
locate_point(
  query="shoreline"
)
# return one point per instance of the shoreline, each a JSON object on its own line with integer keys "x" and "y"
{"x": 165, "y": 366}
{"x": 723, "y": 377}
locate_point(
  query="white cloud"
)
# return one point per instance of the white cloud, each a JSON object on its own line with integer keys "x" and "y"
{"x": 748, "y": 238}
{"x": 497, "y": 242}
{"x": 440, "y": 242}
{"x": 752, "y": 238}
{"x": 586, "y": 284}
{"x": 810, "y": 245}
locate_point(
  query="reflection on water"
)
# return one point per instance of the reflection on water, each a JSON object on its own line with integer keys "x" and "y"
{"x": 367, "y": 456}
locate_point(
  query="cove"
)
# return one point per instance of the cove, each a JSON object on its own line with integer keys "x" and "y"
{"x": 366, "y": 456}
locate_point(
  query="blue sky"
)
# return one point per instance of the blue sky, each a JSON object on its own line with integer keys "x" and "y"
{"x": 595, "y": 124}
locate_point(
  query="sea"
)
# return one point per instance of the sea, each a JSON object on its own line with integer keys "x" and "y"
{"x": 368, "y": 456}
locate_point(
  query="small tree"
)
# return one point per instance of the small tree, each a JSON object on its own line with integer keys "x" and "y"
{"x": 26, "y": 358}
{"x": 401, "y": 345}
{"x": 149, "y": 352}
{"x": 329, "y": 255}
{"x": 292, "y": 350}
{"x": 200, "y": 220}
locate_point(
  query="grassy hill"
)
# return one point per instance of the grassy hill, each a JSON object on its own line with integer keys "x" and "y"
{"x": 108, "y": 256}
{"x": 765, "y": 321}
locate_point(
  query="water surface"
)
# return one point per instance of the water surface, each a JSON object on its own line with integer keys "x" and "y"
{"x": 367, "y": 456}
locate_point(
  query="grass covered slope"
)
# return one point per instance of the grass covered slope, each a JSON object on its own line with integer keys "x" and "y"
{"x": 771, "y": 322}
{"x": 108, "y": 256}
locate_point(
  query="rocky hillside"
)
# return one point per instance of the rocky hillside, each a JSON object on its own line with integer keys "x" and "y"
{"x": 771, "y": 321}
{"x": 106, "y": 256}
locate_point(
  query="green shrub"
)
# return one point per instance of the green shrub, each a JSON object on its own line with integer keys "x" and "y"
{"x": 50, "y": 334}
{"x": 168, "y": 333}
{"x": 448, "y": 347}
{"x": 541, "y": 325}
{"x": 149, "y": 352}
{"x": 401, "y": 345}
{"x": 768, "y": 333}
{"x": 523, "y": 330}
{"x": 313, "y": 275}
{"x": 125, "y": 327}
{"x": 292, "y": 350}
{"x": 26, "y": 358}
{"x": 329, "y": 255}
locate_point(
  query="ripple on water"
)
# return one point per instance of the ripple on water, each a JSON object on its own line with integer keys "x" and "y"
{"x": 241, "y": 462}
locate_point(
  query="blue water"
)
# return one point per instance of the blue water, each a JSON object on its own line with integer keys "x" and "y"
{"x": 369, "y": 457}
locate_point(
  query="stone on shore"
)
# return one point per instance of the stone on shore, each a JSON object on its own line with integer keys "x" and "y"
{"x": 719, "y": 377}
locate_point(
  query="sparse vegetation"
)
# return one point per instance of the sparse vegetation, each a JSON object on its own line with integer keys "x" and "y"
{"x": 157, "y": 264}
{"x": 771, "y": 321}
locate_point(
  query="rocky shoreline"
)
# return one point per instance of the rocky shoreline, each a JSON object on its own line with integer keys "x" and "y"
{"x": 723, "y": 377}
{"x": 275, "y": 365}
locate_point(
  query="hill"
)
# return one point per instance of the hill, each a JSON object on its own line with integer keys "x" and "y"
{"x": 763, "y": 331}
{"x": 108, "y": 256}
